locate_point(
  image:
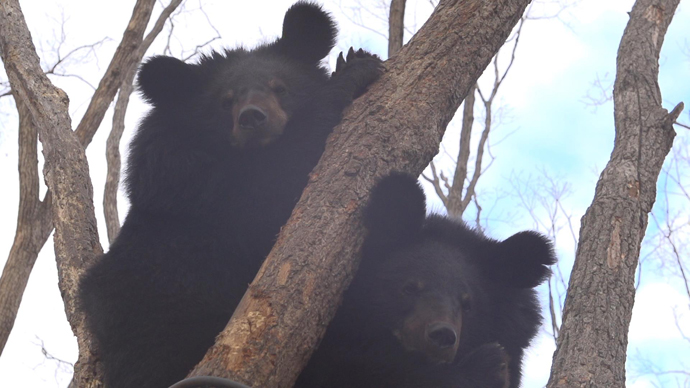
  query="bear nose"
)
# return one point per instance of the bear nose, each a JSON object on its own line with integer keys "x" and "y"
{"x": 442, "y": 335}
{"x": 252, "y": 117}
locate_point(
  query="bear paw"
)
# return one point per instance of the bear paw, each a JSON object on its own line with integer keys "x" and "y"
{"x": 360, "y": 67}
{"x": 487, "y": 366}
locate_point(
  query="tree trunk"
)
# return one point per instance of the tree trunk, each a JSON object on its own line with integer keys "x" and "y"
{"x": 34, "y": 225}
{"x": 66, "y": 169}
{"x": 396, "y": 27}
{"x": 397, "y": 125}
{"x": 594, "y": 336}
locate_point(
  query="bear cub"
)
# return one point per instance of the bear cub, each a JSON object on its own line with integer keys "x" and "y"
{"x": 433, "y": 304}
{"x": 214, "y": 171}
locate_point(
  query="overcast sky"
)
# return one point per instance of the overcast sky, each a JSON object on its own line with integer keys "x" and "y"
{"x": 546, "y": 127}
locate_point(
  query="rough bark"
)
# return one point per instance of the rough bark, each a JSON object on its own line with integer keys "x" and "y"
{"x": 396, "y": 27}
{"x": 593, "y": 339}
{"x": 112, "y": 147}
{"x": 34, "y": 225}
{"x": 397, "y": 125}
{"x": 65, "y": 169}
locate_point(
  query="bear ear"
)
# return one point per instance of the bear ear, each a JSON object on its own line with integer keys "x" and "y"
{"x": 396, "y": 210}
{"x": 524, "y": 259}
{"x": 166, "y": 80}
{"x": 308, "y": 33}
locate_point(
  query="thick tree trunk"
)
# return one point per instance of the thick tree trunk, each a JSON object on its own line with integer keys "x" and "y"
{"x": 594, "y": 336}
{"x": 66, "y": 169}
{"x": 397, "y": 125}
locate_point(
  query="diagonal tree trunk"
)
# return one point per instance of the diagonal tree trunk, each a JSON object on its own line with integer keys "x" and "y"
{"x": 593, "y": 339}
{"x": 397, "y": 125}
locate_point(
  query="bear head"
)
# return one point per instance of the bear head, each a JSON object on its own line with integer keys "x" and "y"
{"x": 436, "y": 284}
{"x": 248, "y": 96}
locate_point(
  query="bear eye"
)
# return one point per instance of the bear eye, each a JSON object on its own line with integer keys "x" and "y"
{"x": 226, "y": 101}
{"x": 280, "y": 90}
{"x": 412, "y": 288}
{"x": 466, "y": 302}
{"x": 278, "y": 87}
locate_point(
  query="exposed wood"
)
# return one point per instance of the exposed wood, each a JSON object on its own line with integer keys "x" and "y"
{"x": 397, "y": 125}
{"x": 591, "y": 346}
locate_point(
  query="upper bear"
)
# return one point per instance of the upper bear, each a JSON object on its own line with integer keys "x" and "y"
{"x": 433, "y": 304}
{"x": 214, "y": 171}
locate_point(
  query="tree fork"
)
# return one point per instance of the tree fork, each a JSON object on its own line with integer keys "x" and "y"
{"x": 397, "y": 125}
{"x": 591, "y": 346}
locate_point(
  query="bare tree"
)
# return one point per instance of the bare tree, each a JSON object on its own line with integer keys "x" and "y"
{"x": 458, "y": 194}
{"x": 396, "y": 126}
{"x": 543, "y": 198}
{"x": 601, "y": 290}
{"x": 34, "y": 223}
{"x": 66, "y": 171}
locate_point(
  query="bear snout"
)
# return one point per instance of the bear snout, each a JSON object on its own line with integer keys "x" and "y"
{"x": 441, "y": 335}
{"x": 442, "y": 342}
{"x": 259, "y": 119}
{"x": 252, "y": 117}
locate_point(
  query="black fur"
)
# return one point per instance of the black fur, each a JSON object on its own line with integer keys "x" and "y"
{"x": 418, "y": 272}
{"x": 208, "y": 196}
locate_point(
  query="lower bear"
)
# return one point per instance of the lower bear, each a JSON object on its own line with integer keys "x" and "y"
{"x": 434, "y": 304}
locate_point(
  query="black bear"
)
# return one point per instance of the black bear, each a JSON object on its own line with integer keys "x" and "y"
{"x": 214, "y": 171}
{"x": 433, "y": 304}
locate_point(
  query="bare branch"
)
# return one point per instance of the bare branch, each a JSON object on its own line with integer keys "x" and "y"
{"x": 434, "y": 180}
{"x": 112, "y": 79}
{"x": 396, "y": 26}
{"x": 599, "y": 93}
{"x": 676, "y": 123}
{"x": 456, "y": 206}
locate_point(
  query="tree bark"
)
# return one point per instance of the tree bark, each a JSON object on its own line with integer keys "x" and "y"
{"x": 34, "y": 225}
{"x": 397, "y": 125}
{"x": 593, "y": 339}
{"x": 396, "y": 27}
{"x": 66, "y": 168}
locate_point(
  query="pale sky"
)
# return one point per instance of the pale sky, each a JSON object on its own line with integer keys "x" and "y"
{"x": 545, "y": 127}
